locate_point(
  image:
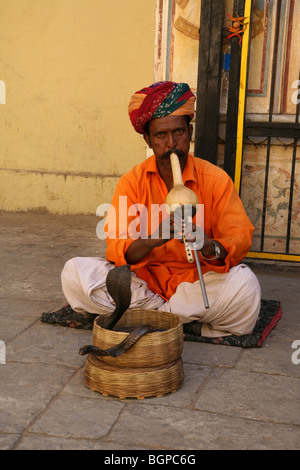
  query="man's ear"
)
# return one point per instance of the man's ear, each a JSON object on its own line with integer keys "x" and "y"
{"x": 147, "y": 140}
{"x": 191, "y": 131}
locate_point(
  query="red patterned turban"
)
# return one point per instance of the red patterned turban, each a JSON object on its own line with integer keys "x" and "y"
{"x": 159, "y": 100}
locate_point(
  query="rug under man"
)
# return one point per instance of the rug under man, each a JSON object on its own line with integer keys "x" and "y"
{"x": 269, "y": 315}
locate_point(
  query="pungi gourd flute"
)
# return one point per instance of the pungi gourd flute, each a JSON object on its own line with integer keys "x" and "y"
{"x": 177, "y": 198}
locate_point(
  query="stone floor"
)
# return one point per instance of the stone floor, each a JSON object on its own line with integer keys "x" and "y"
{"x": 232, "y": 398}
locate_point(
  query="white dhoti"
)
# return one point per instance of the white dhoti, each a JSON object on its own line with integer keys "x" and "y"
{"x": 234, "y": 297}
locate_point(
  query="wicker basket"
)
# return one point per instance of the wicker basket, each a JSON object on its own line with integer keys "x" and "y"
{"x": 152, "y": 367}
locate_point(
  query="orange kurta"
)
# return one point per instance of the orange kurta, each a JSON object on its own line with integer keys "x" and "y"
{"x": 225, "y": 220}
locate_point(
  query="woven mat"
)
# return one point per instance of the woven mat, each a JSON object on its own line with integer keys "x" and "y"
{"x": 269, "y": 316}
{"x": 66, "y": 316}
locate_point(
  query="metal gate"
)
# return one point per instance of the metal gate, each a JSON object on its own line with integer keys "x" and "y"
{"x": 238, "y": 128}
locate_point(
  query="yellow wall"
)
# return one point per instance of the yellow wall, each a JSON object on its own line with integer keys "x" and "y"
{"x": 70, "y": 67}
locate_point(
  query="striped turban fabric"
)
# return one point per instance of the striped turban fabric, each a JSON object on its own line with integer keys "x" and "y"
{"x": 159, "y": 100}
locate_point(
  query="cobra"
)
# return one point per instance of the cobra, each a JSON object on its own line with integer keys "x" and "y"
{"x": 118, "y": 283}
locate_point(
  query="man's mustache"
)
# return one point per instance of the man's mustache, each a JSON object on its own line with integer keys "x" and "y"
{"x": 178, "y": 152}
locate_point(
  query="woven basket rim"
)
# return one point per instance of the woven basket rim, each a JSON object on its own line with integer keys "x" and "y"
{"x": 160, "y": 314}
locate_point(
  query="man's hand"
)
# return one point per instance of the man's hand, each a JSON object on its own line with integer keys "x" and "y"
{"x": 142, "y": 246}
{"x": 207, "y": 247}
{"x": 171, "y": 227}
{"x": 203, "y": 242}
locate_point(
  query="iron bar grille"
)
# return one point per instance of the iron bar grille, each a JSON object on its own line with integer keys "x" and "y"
{"x": 270, "y": 129}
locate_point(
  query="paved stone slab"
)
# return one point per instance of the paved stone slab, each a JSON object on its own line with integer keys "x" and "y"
{"x": 252, "y": 395}
{"x": 12, "y": 325}
{"x": 25, "y": 390}
{"x": 29, "y": 289}
{"x": 212, "y": 354}
{"x": 41, "y": 442}
{"x": 18, "y": 315}
{"x": 71, "y": 416}
{"x": 280, "y": 285}
{"x": 165, "y": 427}
{"x": 8, "y": 441}
{"x": 288, "y": 328}
{"x": 24, "y": 308}
{"x": 49, "y": 344}
{"x": 275, "y": 357}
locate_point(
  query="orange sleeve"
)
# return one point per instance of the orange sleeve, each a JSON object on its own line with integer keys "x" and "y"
{"x": 116, "y": 227}
{"x": 230, "y": 224}
{"x": 123, "y": 223}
